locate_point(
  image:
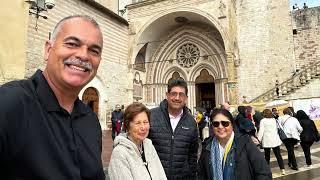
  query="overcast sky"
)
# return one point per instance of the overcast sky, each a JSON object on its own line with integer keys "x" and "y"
{"x": 310, "y": 3}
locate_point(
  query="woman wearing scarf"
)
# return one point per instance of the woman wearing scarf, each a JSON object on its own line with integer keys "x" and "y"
{"x": 230, "y": 155}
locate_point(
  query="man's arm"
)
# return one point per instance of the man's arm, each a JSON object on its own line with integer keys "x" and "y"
{"x": 193, "y": 153}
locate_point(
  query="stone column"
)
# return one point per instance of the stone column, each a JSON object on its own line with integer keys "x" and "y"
{"x": 191, "y": 96}
{"x": 219, "y": 91}
{"x": 232, "y": 84}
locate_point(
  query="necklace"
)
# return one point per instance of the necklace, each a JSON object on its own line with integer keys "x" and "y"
{"x": 139, "y": 146}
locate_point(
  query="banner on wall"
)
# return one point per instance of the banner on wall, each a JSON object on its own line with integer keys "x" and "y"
{"x": 310, "y": 106}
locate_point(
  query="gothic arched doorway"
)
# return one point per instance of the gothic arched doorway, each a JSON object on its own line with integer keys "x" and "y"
{"x": 205, "y": 91}
{"x": 91, "y": 98}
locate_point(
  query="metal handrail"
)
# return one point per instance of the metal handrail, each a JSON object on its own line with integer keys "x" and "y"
{"x": 289, "y": 79}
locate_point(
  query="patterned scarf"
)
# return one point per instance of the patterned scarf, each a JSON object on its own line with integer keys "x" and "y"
{"x": 218, "y": 163}
{"x": 216, "y": 160}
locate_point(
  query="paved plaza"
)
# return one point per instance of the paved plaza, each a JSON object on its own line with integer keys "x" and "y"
{"x": 311, "y": 173}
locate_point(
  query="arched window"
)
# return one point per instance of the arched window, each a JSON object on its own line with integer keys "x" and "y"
{"x": 140, "y": 60}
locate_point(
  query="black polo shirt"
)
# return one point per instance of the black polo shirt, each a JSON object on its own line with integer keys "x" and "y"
{"x": 41, "y": 140}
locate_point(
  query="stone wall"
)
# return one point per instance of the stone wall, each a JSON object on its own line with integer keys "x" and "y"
{"x": 311, "y": 90}
{"x": 112, "y": 77}
{"x": 306, "y": 35}
{"x": 265, "y": 45}
{"x": 13, "y": 21}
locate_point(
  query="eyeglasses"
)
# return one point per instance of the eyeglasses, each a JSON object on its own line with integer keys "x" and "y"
{"x": 175, "y": 94}
{"x": 223, "y": 123}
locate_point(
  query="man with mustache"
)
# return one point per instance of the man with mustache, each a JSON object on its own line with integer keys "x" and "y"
{"x": 174, "y": 133}
{"x": 46, "y": 132}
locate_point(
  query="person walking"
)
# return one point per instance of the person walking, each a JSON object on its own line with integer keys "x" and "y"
{"x": 292, "y": 129}
{"x": 308, "y": 136}
{"x": 117, "y": 120}
{"x": 269, "y": 137}
{"x": 174, "y": 133}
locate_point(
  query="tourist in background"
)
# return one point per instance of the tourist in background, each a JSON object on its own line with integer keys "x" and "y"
{"x": 292, "y": 129}
{"x": 133, "y": 156}
{"x": 275, "y": 113}
{"x": 117, "y": 120}
{"x": 269, "y": 137}
{"x": 230, "y": 155}
{"x": 245, "y": 125}
{"x": 257, "y": 118}
{"x": 308, "y": 136}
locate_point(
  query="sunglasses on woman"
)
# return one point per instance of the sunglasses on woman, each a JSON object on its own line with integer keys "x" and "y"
{"x": 223, "y": 123}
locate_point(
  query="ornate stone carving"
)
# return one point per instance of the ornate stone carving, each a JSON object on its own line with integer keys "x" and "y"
{"x": 222, "y": 9}
{"x": 188, "y": 55}
{"x": 137, "y": 87}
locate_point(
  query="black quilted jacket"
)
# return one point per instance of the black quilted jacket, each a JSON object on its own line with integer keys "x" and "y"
{"x": 177, "y": 150}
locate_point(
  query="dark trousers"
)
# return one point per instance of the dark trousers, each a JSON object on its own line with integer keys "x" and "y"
{"x": 306, "y": 149}
{"x": 276, "y": 151}
{"x": 113, "y": 132}
{"x": 289, "y": 143}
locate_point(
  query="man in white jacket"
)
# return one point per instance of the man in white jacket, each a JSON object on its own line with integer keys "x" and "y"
{"x": 292, "y": 128}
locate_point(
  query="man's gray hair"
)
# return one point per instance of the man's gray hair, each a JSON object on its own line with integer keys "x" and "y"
{"x": 58, "y": 26}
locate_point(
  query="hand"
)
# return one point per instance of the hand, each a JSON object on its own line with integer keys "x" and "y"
{"x": 255, "y": 140}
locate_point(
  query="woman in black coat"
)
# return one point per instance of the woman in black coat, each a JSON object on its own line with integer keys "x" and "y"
{"x": 308, "y": 136}
{"x": 240, "y": 158}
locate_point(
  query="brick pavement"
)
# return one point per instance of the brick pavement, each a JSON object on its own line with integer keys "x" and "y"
{"x": 315, "y": 156}
{"x": 106, "y": 147}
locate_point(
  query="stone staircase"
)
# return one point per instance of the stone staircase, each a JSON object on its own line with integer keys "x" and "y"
{"x": 300, "y": 79}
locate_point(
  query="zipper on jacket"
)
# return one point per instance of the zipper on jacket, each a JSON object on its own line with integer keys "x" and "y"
{"x": 171, "y": 154}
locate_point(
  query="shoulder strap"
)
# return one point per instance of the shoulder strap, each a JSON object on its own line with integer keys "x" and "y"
{"x": 285, "y": 121}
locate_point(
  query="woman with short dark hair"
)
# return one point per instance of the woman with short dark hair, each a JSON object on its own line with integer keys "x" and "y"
{"x": 269, "y": 137}
{"x": 229, "y": 155}
{"x": 292, "y": 129}
{"x": 133, "y": 155}
{"x": 308, "y": 135}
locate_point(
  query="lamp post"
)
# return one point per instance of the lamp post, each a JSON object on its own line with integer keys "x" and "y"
{"x": 38, "y": 6}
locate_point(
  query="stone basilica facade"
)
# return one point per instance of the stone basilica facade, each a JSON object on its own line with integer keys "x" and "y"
{"x": 226, "y": 50}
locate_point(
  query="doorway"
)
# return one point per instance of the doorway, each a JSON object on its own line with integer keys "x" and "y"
{"x": 205, "y": 91}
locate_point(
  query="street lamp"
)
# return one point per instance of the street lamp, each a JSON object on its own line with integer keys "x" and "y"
{"x": 37, "y": 6}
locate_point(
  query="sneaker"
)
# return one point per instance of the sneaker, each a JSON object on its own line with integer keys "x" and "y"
{"x": 283, "y": 172}
{"x": 295, "y": 168}
{"x": 307, "y": 166}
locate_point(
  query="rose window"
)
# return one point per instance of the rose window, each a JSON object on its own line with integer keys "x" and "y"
{"x": 188, "y": 55}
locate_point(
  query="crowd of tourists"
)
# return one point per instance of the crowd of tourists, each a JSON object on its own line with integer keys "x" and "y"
{"x": 157, "y": 144}
{"x": 162, "y": 143}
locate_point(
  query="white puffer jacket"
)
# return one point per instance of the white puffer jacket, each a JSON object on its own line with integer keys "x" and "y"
{"x": 268, "y": 133}
{"x": 126, "y": 162}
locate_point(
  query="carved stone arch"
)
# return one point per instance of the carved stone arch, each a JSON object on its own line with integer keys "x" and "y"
{"x": 91, "y": 98}
{"x": 169, "y": 74}
{"x": 214, "y": 21}
{"x": 204, "y": 77}
{"x": 197, "y": 70}
{"x": 166, "y": 49}
{"x": 140, "y": 60}
{"x": 175, "y": 76}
